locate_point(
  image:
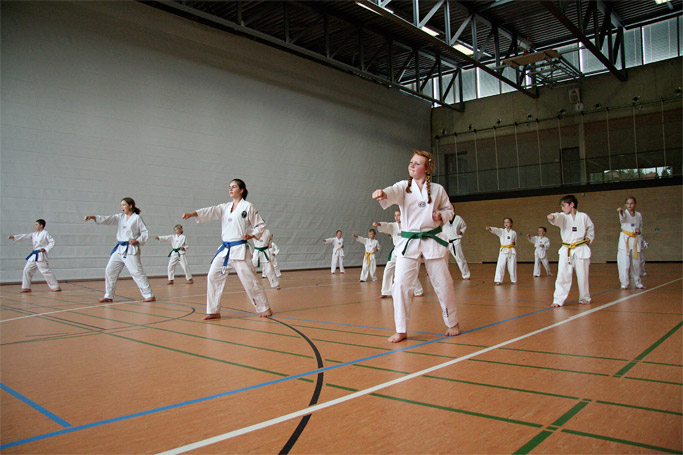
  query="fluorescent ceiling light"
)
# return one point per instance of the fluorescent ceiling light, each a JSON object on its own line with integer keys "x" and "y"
{"x": 464, "y": 49}
{"x": 661, "y": 2}
{"x": 429, "y": 31}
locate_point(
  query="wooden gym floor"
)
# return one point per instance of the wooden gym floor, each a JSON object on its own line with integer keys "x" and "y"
{"x": 320, "y": 378}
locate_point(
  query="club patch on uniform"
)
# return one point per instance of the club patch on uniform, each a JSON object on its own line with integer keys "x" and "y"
{"x": 574, "y": 229}
{"x": 422, "y": 204}
{"x": 244, "y": 214}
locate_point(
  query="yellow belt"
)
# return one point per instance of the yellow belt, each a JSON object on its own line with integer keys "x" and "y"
{"x": 508, "y": 246}
{"x": 571, "y": 246}
{"x": 633, "y": 236}
{"x": 367, "y": 257}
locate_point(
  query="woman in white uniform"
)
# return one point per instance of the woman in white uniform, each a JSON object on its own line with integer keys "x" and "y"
{"x": 131, "y": 234}
{"x": 240, "y": 222}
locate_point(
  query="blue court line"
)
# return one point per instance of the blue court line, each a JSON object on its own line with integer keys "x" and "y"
{"x": 35, "y": 406}
{"x": 263, "y": 384}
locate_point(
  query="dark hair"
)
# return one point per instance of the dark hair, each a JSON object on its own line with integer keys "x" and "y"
{"x": 630, "y": 197}
{"x": 544, "y": 229}
{"x": 131, "y": 202}
{"x": 338, "y": 230}
{"x": 508, "y": 218}
{"x": 373, "y": 231}
{"x": 568, "y": 199}
{"x": 242, "y": 186}
{"x": 41, "y": 222}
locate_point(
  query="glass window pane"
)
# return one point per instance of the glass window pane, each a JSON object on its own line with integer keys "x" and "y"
{"x": 488, "y": 84}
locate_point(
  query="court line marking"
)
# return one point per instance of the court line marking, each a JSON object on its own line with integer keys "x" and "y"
{"x": 318, "y": 407}
{"x": 35, "y": 406}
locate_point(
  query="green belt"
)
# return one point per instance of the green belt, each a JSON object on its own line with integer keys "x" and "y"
{"x": 423, "y": 235}
{"x": 263, "y": 249}
{"x": 175, "y": 250}
{"x": 392, "y": 250}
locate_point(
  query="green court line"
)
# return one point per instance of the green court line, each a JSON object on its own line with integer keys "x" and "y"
{"x": 652, "y": 380}
{"x": 622, "y": 441}
{"x": 537, "y": 367}
{"x": 513, "y": 389}
{"x": 565, "y": 354}
{"x": 663, "y": 364}
{"x": 569, "y": 414}
{"x": 533, "y": 443}
{"x": 611, "y": 403}
{"x": 543, "y": 435}
{"x": 654, "y": 346}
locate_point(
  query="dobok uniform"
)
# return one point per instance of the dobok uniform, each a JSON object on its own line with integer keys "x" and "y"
{"x": 575, "y": 253}
{"x": 37, "y": 259}
{"x": 506, "y": 255}
{"x": 177, "y": 255}
{"x": 369, "y": 261}
{"x": 541, "y": 245}
{"x": 124, "y": 254}
{"x": 394, "y": 230}
{"x": 337, "y": 253}
{"x": 641, "y": 254}
{"x": 451, "y": 230}
{"x": 244, "y": 219}
{"x": 273, "y": 251}
{"x": 419, "y": 242}
{"x": 629, "y": 249}
{"x": 262, "y": 259}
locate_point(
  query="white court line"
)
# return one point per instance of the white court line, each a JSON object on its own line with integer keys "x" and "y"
{"x": 318, "y": 407}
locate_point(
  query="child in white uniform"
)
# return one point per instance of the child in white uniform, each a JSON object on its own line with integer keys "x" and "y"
{"x": 337, "y": 251}
{"x": 273, "y": 251}
{"x": 42, "y": 243}
{"x": 424, "y": 209}
{"x": 131, "y": 234}
{"x": 507, "y": 254}
{"x": 454, "y": 231}
{"x": 641, "y": 255}
{"x": 628, "y": 250}
{"x": 262, "y": 259}
{"x": 394, "y": 230}
{"x": 177, "y": 255}
{"x": 577, "y": 232}
{"x": 369, "y": 261}
{"x": 240, "y": 222}
{"x": 541, "y": 244}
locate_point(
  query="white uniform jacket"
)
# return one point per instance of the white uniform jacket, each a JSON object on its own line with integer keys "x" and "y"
{"x": 129, "y": 228}
{"x": 451, "y": 229}
{"x": 40, "y": 240}
{"x": 416, "y": 216}
{"x": 177, "y": 241}
{"x": 234, "y": 225}
{"x": 507, "y": 237}
{"x": 338, "y": 245}
{"x": 541, "y": 244}
{"x": 574, "y": 229}
{"x": 371, "y": 246}
{"x": 629, "y": 224}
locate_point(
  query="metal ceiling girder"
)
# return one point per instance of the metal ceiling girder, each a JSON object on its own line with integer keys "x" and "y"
{"x": 445, "y": 47}
{"x": 580, "y": 34}
{"x": 227, "y": 25}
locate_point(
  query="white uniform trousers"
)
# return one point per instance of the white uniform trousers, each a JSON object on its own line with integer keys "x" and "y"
{"x": 266, "y": 267}
{"x": 628, "y": 265}
{"x": 336, "y": 255}
{"x": 510, "y": 259}
{"x": 406, "y": 272}
{"x": 455, "y": 248}
{"x": 173, "y": 262}
{"x": 44, "y": 267}
{"x": 388, "y": 279}
{"x": 641, "y": 258}
{"x": 134, "y": 266}
{"x": 563, "y": 283}
{"x": 369, "y": 268}
{"x": 215, "y": 282}
{"x": 537, "y": 265}
{"x": 273, "y": 262}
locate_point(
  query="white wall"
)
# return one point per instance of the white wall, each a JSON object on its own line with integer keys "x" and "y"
{"x": 104, "y": 100}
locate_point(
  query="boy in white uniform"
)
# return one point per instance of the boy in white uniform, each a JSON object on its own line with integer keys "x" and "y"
{"x": 541, "y": 244}
{"x": 628, "y": 261}
{"x": 577, "y": 232}
{"x": 369, "y": 262}
{"x": 260, "y": 258}
{"x": 454, "y": 231}
{"x": 131, "y": 234}
{"x": 177, "y": 255}
{"x": 337, "y": 251}
{"x": 424, "y": 209}
{"x": 240, "y": 222}
{"x": 394, "y": 230}
{"x": 507, "y": 254}
{"x": 42, "y": 243}
{"x": 273, "y": 251}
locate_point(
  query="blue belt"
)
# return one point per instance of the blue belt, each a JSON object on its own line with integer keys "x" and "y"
{"x": 34, "y": 252}
{"x": 227, "y": 245}
{"x": 118, "y": 244}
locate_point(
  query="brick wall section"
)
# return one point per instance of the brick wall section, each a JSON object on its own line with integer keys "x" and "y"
{"x": 660, "y": 207}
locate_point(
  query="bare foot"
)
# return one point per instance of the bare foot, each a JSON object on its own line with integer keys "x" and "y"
{"x": 25, "y": 291}
{"x": 344, "y": 273}
{"x": 170, "y": 282}
{"x": 641, "y": 287}
{"x": 419, "y": 295}
{"x": 151, "y": 299}
{"x": 497, "y": 283}
{"x": 105, "y": 300}
{"x": 211, "y": 316}
{"x": 190, "y": 281}
{"x": 555, "y": 305}
{"x": 266, "y": 314}
{"x": 384, "y": 296}
{"x": 278, "y": 288}
{"x": 56, "y": 290}
{"x": 466, "y": 279}
{"x": 397, "y": 337}
{"x": 583, "y": 302}
{"x": 453, "y": 331}
{"x": 514, "y": 282}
